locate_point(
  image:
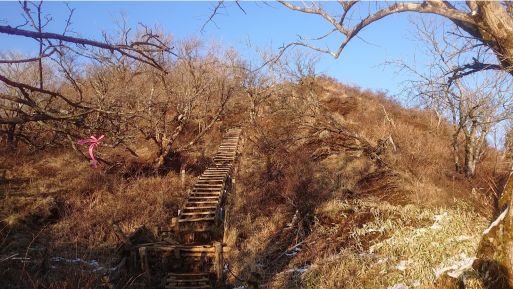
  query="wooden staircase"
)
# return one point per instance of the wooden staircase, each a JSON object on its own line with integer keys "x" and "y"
{"x": 195, "y": 261}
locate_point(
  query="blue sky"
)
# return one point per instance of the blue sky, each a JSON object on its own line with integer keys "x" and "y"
{"x": 264, "y": 25}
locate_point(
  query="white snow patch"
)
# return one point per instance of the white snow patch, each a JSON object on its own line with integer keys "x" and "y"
{"x": 380, "y": 261}
{"x": 299, "y": 270}
{"x": 461, "y": 238}
{"x": 240, "y": 287}
{"x": 436, "y": 226}
{"x": 403, "y": 265}
{"x": 440, "y": 217}
{"x": 293, "y": 252}
{"x": 419, "y": 231}
{"x": 438, "y": 220}
{"x": 456, "y": 269}
{"x": 91, "y": 263}
{"x": 398, "y": 286}
{"x": 496, "y": 222}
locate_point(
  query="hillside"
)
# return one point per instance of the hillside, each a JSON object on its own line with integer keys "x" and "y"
{"x": 337, "y": 187}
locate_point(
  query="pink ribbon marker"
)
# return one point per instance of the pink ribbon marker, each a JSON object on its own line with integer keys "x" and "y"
{"x": 93, "y": 142}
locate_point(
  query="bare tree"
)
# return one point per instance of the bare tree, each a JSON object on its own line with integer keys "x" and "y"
{"x": 54, "y": 93}
{"x": 473, "y": 104}
{"x": 489, "y": 22}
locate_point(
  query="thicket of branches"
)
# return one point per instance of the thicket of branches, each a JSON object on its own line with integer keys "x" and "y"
{"x": 129, "y": 86}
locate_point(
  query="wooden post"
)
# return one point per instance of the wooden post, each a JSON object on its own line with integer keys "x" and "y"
{"x": 218, "y": 261}
{"x": 171, "y": 280}
{"x": 145, "y": 265}
{"x": 182, "y": 175}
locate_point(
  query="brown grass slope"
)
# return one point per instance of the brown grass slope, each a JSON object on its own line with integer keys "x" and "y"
{"x": 321, "y": 189}
{"x": 333, "y": 179}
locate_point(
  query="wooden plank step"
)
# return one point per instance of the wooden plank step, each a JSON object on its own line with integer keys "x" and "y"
{"x": 178, "y": 275}
{"x": 200, "y": 185}
{"x": 202, "y": 202}
{"x": 218, "y": 168}
{"x": 203, "y": 198}
{"x": 200, "y": 194}
{"x": 208, "y": 193}
{"x": 200, "y": 208}
{"x": 203, "y": 184}
{"x": 212, "y": 178}
{"x": 173, "y": 279}
{"x": 207, "y": 189}
{"x": 195, "y": 282}
{"x": 177, "y": 283}
{"x": 208, "y": 219}
{"x": 198, "y": 213}
{"x": 188, "y": 287}
{"x": 214, "y": 175}
{"x": 208, "y": 185}
{"x": 171, "y": 286}
{"x": 209, "y": 181}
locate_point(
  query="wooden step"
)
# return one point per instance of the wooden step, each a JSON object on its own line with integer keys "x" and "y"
{"x": 200, "y": 208}
{"x": 188, "y": 287}
{"x": 184, "y": 275}
{"x": 198, "y": 213}
{"x": 203, "y": 198}
{"x": 208, "y": 219}
{"x": 212, "y": 178}
{"x": 217, "y": 170}
{"x": 210, "y": 182}
{"x": 207, "y": 189}
{"x": 205, "y": 194}
{"x": 201, "y": 185}
{"x": 202, "y": 202}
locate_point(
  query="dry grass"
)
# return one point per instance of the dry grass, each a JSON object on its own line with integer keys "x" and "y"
{"x": 356, "y": 220}
{"x": 59, "y": 205}
{"x": 415, "y": 243}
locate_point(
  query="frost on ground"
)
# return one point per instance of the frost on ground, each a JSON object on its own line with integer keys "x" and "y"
{"x": 299, "y": 270}
{"x": 418, "y": 246}
{"x": 457, "y": 268}
{"x": 92, "y": 264}
{"x": 496, "y": 222}
{"x": 398, "y": 286}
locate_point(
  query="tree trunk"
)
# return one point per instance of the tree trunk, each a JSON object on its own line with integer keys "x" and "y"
{"x": 11, "y": 144}
{"x": 455, "y": 151}
{"x": 469, "y": 167}
{"x": 495, "y": 253}
{"x": 495, "y": 28}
